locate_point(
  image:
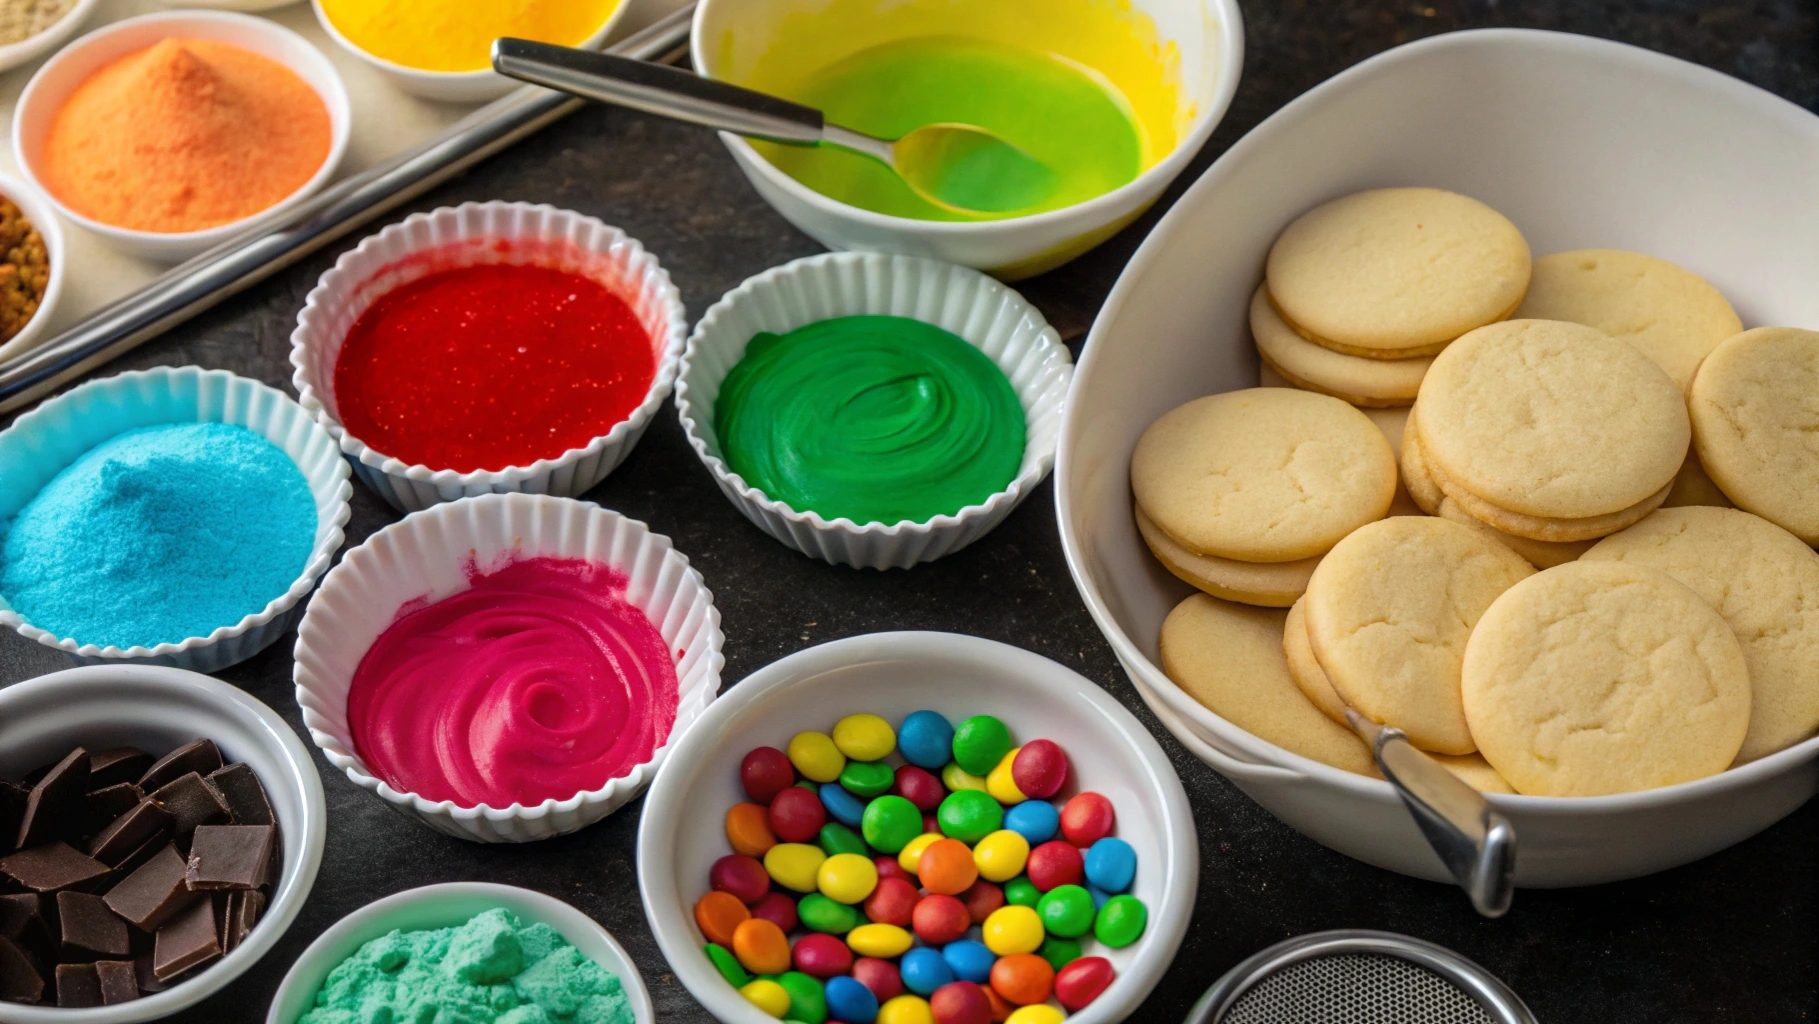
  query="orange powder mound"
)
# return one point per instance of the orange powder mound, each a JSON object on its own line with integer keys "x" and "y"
{"x": 185, "y": 135}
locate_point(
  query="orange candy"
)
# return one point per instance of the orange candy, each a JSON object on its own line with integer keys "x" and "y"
{"x": 761, "y": 946}
{"x": 719, "y": 914}
{"x": 748, "y": 828}
{"x": 1000, "y": 1008}
{"x": 1023, "y": 978}
{"x": 947, "y": 867}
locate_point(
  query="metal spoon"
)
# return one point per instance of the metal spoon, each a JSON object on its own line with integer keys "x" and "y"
{"x": 957, "y": 166}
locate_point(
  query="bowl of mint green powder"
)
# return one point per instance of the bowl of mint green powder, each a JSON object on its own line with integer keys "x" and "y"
{"x": 464, "y": 951}
{"x": 174, "y": 516}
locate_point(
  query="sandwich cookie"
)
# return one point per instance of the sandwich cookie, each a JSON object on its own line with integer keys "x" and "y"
{"x": 1271, "y": 584}
{"x": 1755, "y": 409}
{"x": 1310, "y": 367}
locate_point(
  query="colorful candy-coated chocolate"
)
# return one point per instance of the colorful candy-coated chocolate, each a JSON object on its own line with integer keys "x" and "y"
{"x": 968, "y": 815}
{"x": 926, "y": 739}
{"x": 1120, "y": 921}
{"x": 821, "y": 914}
{"x": 796, "y": 815}
{"x": 890, "y": 822}
{"x": 1000, "y": 856}
{"x": 1067, "y": 911}
{"x": 847, "y": 878}
{"x": 740, "y": 875}
{"x": 837, "y": 838}
{"x": 1099, "y": 895}
{"x": 822, "y": 956}
{"x": 1022, "y": 892}
{"x": 1012, "y": 929}
{"x": 761, "y": 947}
{"x": 1111, "y": 864}
{"x": 1001, "y": 1010}
{"x": 815, "y": 756}
{"x": 1023, "y": 978}
{"x": 867, "y": 779}
{"x": 889, "y": 868}
{"x": 1051, "y": 864}
{"x": 946, "y": 866}
{"x": 1034, "y": 820}
{"x": 970, "y": 960}
{"x": 794, "y": 865}
{"x": 1038, "y": 1013}
{"x": 956, "y": 778}
{"x": 1040, "y": 769}
{"x": 865, "y": 737}
{"x": 910, "y": 857}
{"x": 765, "y": 772}
{"x": 960, "y": 1002}
{"x": 1080, "y": 982}
{"x": 939, "y": 920}
{"x": 931, "y": 825}
{"x": 892, "y": 902}
{"x": 748, "y": 829}
{"x": 924, "y": 971}
{"x": 768, "y": 996}
{"x": 718, "y": 913}
{"x": 779, "y": 909}
{"x": 728, "y": 965}
{"x": 881, "y": 976}
{"x": 841, "y": 805}
{"x": 918, "y": 787}
{"x": 879, "y": 940}
{"x": 979, "y": 743}
{"x": 1000, "y": 784}
{"x": 981, "y": 900}
{"x": 807, "y": 1001}
{"x": 1059, "y": 952}
{"x": 849, "y": 1001}
{"x": 906, "y": 1009}
{"x": 1087, "y": 818}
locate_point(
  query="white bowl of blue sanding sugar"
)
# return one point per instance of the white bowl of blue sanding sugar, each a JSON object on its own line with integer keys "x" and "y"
{"x": 171, "y": 516}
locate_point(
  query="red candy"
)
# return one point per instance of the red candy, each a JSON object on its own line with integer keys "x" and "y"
{"x": 822, "y": 956}
{"x": 1023, "y": 978}
{"x": 796, "y": 815}
{"x": 1087, "y": 818}
{"x": 880, "y": 976}
{"x": 939, "y": 920}
{"x": 981, "y": 900}
{"x": 778, "y": 909}
{"x": 1000, "y": 1008}
{"x": 1081, "y": 981}
{"x": 1055, "y": 863}
{"x": 893, "y": 902}
{"x": 1039, "y": 769}
{"x": 740, "y": 875}
{"x": 765, "y": 772}
{"x": 930, "y": 825}
{"x": 960, "y": 1002}
{"x": 891, "y": 867}
{"x": 919, "y": 788}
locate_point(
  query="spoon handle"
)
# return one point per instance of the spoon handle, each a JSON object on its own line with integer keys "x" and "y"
{"x": 658, "y": 89}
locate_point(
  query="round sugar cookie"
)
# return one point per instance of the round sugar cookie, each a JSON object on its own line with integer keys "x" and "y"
{"x": 1476, "y": 772}
{"x": 1693, "y": 486}
{"x": 1397, "y": 272}
{"x": 1229, "y": 658}
{"x": 1755, "y": 408}
{"x": 1765, "y": 584}
{"x": 1305, "y": 669}
{"x": 1270, "y": 584}
{"x": 1360, "y": 381}
{"x": 1388, "y": 613}
{"x": 1669, "y": 314}
{"x": 1602, "y": 677}
{"x": 1423, "y": 489}
{"x": 1552, "y": 420}
{"x": 1263, "y": 475}
{"x": 1541, "y": 554}
{"x": 1555, "y": 531}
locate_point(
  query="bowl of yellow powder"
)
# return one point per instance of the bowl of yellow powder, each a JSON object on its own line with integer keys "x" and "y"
{"x": 442, "y": 49}
{"x": 29, "y": 29}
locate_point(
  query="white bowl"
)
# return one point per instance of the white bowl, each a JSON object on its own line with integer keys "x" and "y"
{"x": 986, "y": 314}
{"x": 445, "y": 906}
{"x": 424, "y": 557}
{"x": 32, "y": 47}
{"x": 160, "y": 709}
{"x": 452, "y": 86}
{"x": 379, "y": 264}
{"x": 41, "y": 443}
{"x": 38, "y": 210}
{"x": 1582, "y": 143}
{"x": 1208, "y": 38}
{"x": 893, "y": 674}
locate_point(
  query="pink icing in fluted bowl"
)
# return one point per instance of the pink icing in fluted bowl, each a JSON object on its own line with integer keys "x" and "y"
{"x": 538, "y": 682}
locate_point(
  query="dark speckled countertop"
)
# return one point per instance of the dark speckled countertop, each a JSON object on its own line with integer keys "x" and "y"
{"x": 1732, "y": 938}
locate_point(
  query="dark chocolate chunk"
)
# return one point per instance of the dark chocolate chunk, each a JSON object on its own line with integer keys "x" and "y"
{"x": 148, "y": 982}
{"x": 200, "y": 757}
{"x": 12, "y": 813}
{"x": 51, "y": 867}
{"x": 20, "y": 981}
{"x": 138, "y": 857}
{"x": 191, "y": 802}
{"x": 244, "y": 796}
{"x": 118, "y": 982}
{"x": 32, "y": 777}
{"x": 53, "y": 809}
{"x": 78, "y": 985}
{"x": 154, "y": 893}
{"x": 130, "y": 831}
{"x": 230, "y": 856}
{"x": 20, "y": 914}
{"x": 243, "y": 909}
{"x": 187, "y": 940}
{"x": 88, "y": 928}
{"x": 110, "y": 802}
{"x": 121, "y": 764}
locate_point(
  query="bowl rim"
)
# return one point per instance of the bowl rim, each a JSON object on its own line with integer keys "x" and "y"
{"x": 571, "y": 920}
{"x": 321, "y": 553}
{"x": 16, "y": 53}
{"x": 779, "y": 278}
{"x": 38, "y": 209}
{"x": 335, "y": 101}
{"x": 429, "y": 76}
{"x": 1177, "y": 833}
{"x": 1274, "y": 762}
{"x": 1225, "y": 22}
{"x": 336, "y": 282}
{"x": 153, "y": 681}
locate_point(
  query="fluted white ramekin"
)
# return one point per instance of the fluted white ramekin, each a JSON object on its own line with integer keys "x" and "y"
{"x": 988, "y": 315}
{"x": 45, "y": 441}
{"x": 462, "y": 236}
{"x": 423, "y": 559}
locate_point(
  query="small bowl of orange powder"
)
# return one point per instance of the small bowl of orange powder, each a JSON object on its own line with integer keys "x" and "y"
{"x": 166, "y": 134}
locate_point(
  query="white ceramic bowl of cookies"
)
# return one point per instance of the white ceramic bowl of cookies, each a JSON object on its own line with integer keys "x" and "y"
{"x": 1582, "y": 143}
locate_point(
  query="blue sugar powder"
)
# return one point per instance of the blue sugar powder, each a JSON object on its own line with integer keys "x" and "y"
{"x": 159, "y": 534}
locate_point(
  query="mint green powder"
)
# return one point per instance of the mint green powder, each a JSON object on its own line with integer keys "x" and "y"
{"x": 491, "y": 970}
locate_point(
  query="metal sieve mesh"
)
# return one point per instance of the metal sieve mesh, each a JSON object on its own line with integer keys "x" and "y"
{"x": 1354, "y": 988}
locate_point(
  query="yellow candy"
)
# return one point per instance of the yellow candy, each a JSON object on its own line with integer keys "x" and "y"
{"x": 906, "y": 1009}
{"x": 1000, "y": 856}
{"x": 1012, "y": 929}
{"x": 815, "y": 756}
{"x": 887, "y": 940}
{"x": 1000, "y": 785}
{"x": 955, "y": 778}
{"x": 1040, "y": 1013}
{"x": 911, "y": 855}
{"x": 768, "y": 996}
{"x": 865, "y": 737}
{"x": 794, "y": 865}
{"x": 847, "y": 877}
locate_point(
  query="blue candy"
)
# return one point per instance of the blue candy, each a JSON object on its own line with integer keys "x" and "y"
{"x": 969, "y": 960}
{"x": 924, "y": 971}
{"x": 1099, "y": 895}
{"x": 1111, "y": 864}
{"x": 842, "y": 806}
{"x": 926, "y": 740}
{"x": 850, "y": 1001}
{"x": 1034, "y": 820}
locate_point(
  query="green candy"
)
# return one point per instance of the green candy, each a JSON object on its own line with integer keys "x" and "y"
{"x": 1059, "y": 952}
{"x": 807, "y": 999}
{"x": 1120, "y": 921}
{"x": 820, "y": 914}
{"x": 1067, "y": 911}
{"x": 1022, "y": 892}
{"x": 728, "y": 965}
{"x": 811, "y": 787}
{"x": 837, "y": 838}
{"x": 867, "y": 779}
{"x": 890, "y": 822}
{"x": 980, "y": 743}
{"x": 967, "y": 815}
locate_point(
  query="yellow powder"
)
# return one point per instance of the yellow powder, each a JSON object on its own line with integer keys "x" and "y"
{"x": 457, "y": 35}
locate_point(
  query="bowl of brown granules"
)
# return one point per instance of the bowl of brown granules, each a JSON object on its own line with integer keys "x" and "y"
{"x": 29, "y": 29}
{"x": 31, "y": 265}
